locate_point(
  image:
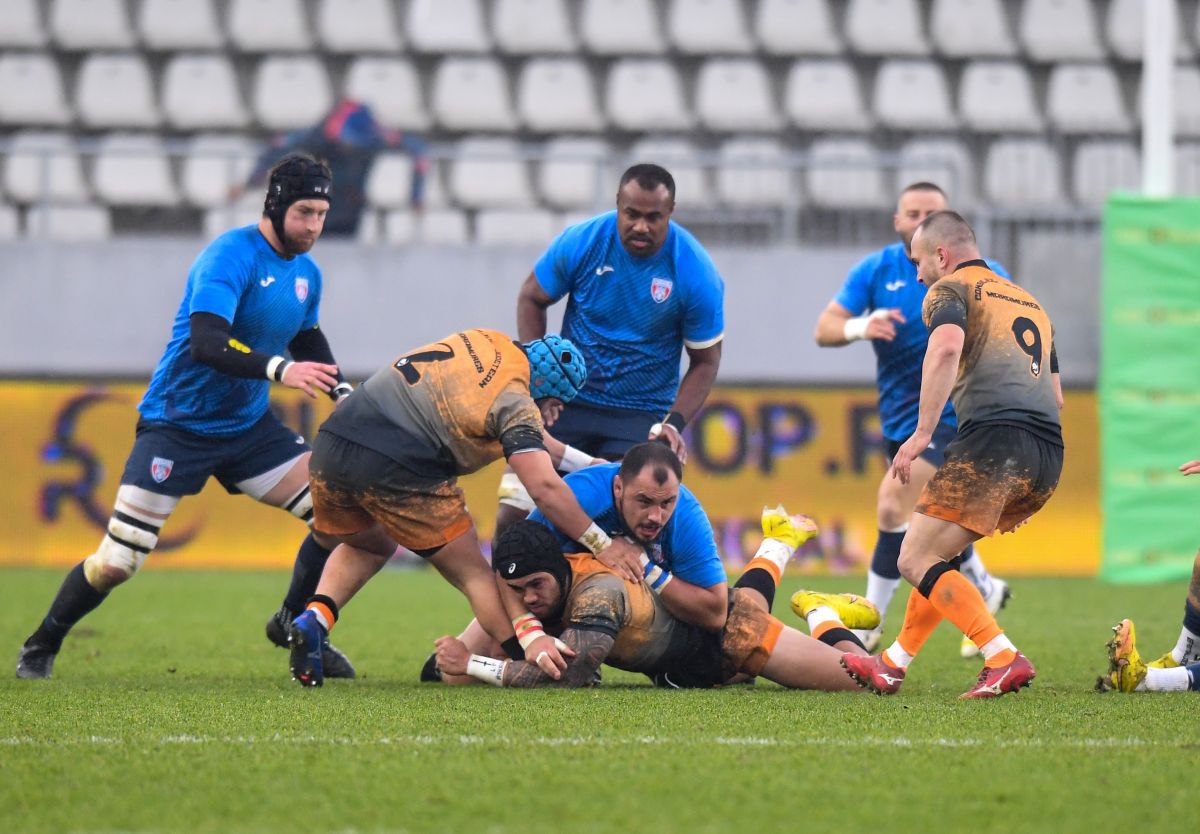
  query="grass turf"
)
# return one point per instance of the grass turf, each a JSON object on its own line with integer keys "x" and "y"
{"x": 169, "y": 711}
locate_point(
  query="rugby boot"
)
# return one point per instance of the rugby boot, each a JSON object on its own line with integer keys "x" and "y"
{"x": 996, "y": 599}
{"x": 1167, "y": 661}
{"x": 35, "y": 661}
{"x": 305, "y": 636}
{"x": 992, "y": 683}
{"x": 871, "y": 672}
{"x": 430, "y": 673}
{"x": 792, "y": 530}
{"x": 336, "y": 664}
{"x": 854, "y": 611}
{"x": 1126, "y": 669}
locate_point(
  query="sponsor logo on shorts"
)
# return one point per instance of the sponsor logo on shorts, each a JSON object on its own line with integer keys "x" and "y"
{"x": 160, "y": 469}
{"x": 301, "y": 289}
{"x": 660, "y": 289}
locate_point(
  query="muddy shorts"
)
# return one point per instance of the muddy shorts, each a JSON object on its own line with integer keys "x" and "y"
{"x": 744, "y": 645}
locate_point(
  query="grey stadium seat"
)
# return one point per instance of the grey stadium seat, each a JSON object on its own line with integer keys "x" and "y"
{"x": 488, "y": 172}
{"x": 885, "y": 27}
{"x": 1086, "y": 98}
{"x": 825, "y": 95}
{"x": 69, "y": 224}
{"x": 572, "y": 173}
{"x": 446, "y": 26}
{"x": 708, "y": 27}
{"x": 797, "y": 27}
{"x": 214, "y": 164}
{"x": 558, "y": 95}
{"x": 533, "y": 27}
{"x": 91, "y": 24}
{"x": 1102, "y": 167}
{"x": 389, "y": 184}
{"x": 180, "y": 24}
{"x": 846, "y": 173}
{"x": 1023, "y": 174}
{"x": 515, "y": 227}
{"x": 945, "y": 162}
{"x": 621, "y": 27}
{"x": 358, "y": 26}
{"x": 754, "y": 173}
{"x": 391, "y": 88}
{"x": 44, "y": 166}
{"x": 1060, "y": 30}
{"x": 31, "y": 90}
{"x": 679, "y": 156}
{"x": 734, "y": 95}
{"x": 971, "y": 29}
{"x": 472, "y": 94}
{"x": 997, "y": 97}
{"x": 913, "y": 95}
{"x": 133, "y": 170}
{"x": 291, "y": 92}
{"x": 21, "y": 25}
{"x": 631, "y": 106}
{"x": 200, "y": 91}
{"x": 115, "y": 90}
{"x": 268, "y": 25}
{"x": 1125, "y": 27}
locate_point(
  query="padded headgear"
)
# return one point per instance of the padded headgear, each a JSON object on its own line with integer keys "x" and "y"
{"x": 526, "y": 547}
{"x": 556, "y": 368}
{"x": 297, "y": 176}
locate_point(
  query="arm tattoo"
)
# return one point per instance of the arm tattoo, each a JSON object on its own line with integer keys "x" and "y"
{"x": 591, "y": 647}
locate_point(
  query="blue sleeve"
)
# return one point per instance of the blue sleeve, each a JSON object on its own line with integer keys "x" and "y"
{"x": 555, "y": 269}
{"x": 704, "y": 320}
{"x": 694, "y": 556}
{"x": 592, "y": 488}
{"x": 313, "y": 314}
{"x": 855, "y": 294}
{"x": 998, "y": 268}
{"x": 219, "y": 278}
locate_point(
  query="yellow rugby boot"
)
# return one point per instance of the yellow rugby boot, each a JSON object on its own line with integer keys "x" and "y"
{"x": 1126, "y": 669}
{"x": 1167, "y": 661}
{"x": 854, "y": 611}
{"x": 792, "y": 530}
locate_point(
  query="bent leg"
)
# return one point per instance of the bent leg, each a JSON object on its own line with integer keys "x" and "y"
{"x": 462, "y": 564}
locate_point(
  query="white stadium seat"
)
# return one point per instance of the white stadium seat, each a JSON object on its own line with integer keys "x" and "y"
{"x": 245, "y": 210}
{"x": 115, "y": 90}
{"x": 754, "y": 173}
{"x": 913, "y": 95}
{"x": 942, "y": 161}
{"x": 133, "y": 170}
{"x": 214, "y": 164}
{"x": 558, "y": 95}
{"x": 291, "y": 92}
{"x": 1086, "y": 98}
{"x": 442, "y": 227}
{"x": 201, "y": 91}
{"x": 69, "y": 224}
{"x": 488, "y": 172}
{"x": 1102, "y": 167}
{"x": 1185, "y": 99}
{"x": 9, "y": 222}
{"x": 31, "y": 90}
{"x": 621, "y": 27}
{"x": 472, "y": 94}
{"x": 268, "y": 25}
{"x": 735, "y": 95}
{"x": 1187, "y": 169}
{"x": 389, "y": 183}
{"x": 180, "y": 24}
{"x": 708, "y": 27}
{"x": 1125, "y": 28}
{"x": 21, "y": 24}
{"x": 572, "y": 173}
{"x": 997, "y": 97}
{"x": 447, "y": 26}
{"x": 391, "y": 88}
{"x": 971, "y": 29}
{"x": 825, "y": 95}
{"x": 1022, "y": 174}
{"x": 797, "y": 27}
{"x": 1060, "y": 30}
{"x": 680, "y": 157}
{"x": 885, "y": 27}
{"x": 528, "y": 27}
{"x": 515, "y": 227}
{"x": 44, "y": 166}
{"x": 646, "y": 94}
{"x": 357, "y": 25}
{"x": 846, "y": 174}
{"x": 91, "y": 24}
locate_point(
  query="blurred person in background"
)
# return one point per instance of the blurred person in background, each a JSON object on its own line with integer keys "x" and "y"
{"x": 252, "y": 297}
{"x": 881, "y": 301}
{"x": 348, "y": 139}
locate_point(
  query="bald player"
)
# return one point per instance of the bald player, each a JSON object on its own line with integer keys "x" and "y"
{"x": 991, "y": 347}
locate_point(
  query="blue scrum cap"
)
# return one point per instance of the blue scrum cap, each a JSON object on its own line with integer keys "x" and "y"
{"x": 556, "y": 368}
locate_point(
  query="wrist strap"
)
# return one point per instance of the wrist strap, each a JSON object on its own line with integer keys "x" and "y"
{"x": 856, "y": 328}
{"x": 275, "y": 366}
{"x": 675, "y": 420}
{"x": 573, "y": 459}
{"x": 528, "y": 629}
{"x": 342, "y": 389}
{"x": 487, "y": 669}
{"x": 656, "y": 577}
{"x": 594, "y": 539}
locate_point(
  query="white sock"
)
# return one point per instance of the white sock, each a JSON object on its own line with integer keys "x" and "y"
{"x": 897, "y": 657}
{"x": 776, "y": 552}
{"x": 880, "y": 590}
{"x": 996, "y": 645}
{"x": 1166, "y": 680}
{"x": 974, "y": 569}
{"x": 320, "y": 619}
{"x": 1187, "y": 648}
{"x": 821, "y": 614}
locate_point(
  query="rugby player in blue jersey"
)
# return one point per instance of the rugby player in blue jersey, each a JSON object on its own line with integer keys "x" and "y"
{"x": 640, "y": 290}
{"x": 252, "y": 298}
{"x": 881, "y": 301}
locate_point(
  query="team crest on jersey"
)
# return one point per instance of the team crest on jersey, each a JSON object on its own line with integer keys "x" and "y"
{"x": 660, "y": 289}
{"x": 301, "y": 289}
{"x": 160, "y": 469}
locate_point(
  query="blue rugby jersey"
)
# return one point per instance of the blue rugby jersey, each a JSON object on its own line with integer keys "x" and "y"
{"x": 686, "y": 546}
{"x": 632, "y": 316}
{"x": 887, "y": 279}
{"x": 266, "y": 298}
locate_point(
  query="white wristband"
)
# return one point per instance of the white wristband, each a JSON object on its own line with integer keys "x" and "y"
{"x": 487, "y": 669}
{"x": 342, "y": 390}
{"x": 657, "y": 578}
{"x": 594, "y": 539}
{"x": 272, "y": 366}
{"x": 573, "y": 459}
{"x": 856, "y": 328}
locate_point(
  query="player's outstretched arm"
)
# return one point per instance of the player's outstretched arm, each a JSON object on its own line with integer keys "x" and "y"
{"x": 837, "y": 326}
{"x": 591, "y": 648}
{"x": 698, "y": 379}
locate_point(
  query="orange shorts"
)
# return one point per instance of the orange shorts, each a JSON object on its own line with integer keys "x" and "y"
{"x": 749, "y": 636}
{"x": 994, "y": 478}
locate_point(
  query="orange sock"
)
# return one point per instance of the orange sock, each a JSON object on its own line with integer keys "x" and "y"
{"x": 920, "y": 619}
{"x": 767, "y": 565}
{"x": 326, "y": 615}
{"x": 961, "y": 603}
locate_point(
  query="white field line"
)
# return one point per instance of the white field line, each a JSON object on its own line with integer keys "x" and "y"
{"x": 449, "y": 741}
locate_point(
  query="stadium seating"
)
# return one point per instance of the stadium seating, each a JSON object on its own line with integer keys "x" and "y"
{"x": 68, "y": 223}
{"x": 847, "y": 174}
{"x": 215, "y": 163}
{"x": 268, "y": 25}
{"x": 91, "y": 24}
{"x": 1060, "y": 30}
{"x": 1103, "y": 166}
{"x": 291, "y": 92}
{"x": 351, "y": 26}
{"x": 133, "y": 170}
{"x": 572, "y": 176}
{"x": 754, "y": 173}
{"x": 735, "y": 96}
{"x": 490, "y": 174}
{"x": 390, "y": 182}
{"x": 1125, "y": 29}
{"x": 9, "y": 222}
{"x": 114, "y": 90}
{"x": 472, "y": 94}
{"x": 997, "y": 97}
{"x": 447, "y": 26}
{"x": 529, "y": 27}
{"x": 200, "y": 91}
{"x": 944, "y": 161}
{"x": 1086, "y": 98}
{"x": 682, "y": 159}
{"x": 825, "y": 95}
{"x": 885, "y": 27}
{"x": 392, "y": 89}
{"x": 508, "y": 227}
{"x": 21, "y": 25}
{"x": 44, "y": 166}
{"x": 557, "y": 95}
{"x": 1023, "y": 174}
{"x": 797, "y": 27}
{"x": 179, "y": 24}
{"x": 971, "y": 29}
{"x": 646, "y": 94}
{"x": 31, "y": 90}
{"x": 708, "y": 27}
{"x": 621, "y": 27}
{"x": 913, "y": 95}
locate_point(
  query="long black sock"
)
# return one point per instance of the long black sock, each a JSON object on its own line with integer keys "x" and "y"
{"x": 306, "y": 574}
{"x": 75, "y": 600}
{"x": 760, "y": 580}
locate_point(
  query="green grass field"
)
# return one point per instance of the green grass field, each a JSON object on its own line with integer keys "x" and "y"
{"x": 169, "y": 711}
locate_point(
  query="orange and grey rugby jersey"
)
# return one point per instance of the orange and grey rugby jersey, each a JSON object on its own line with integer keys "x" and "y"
{"x": 1004, "y": 374}
{"x": 447, "y": 408}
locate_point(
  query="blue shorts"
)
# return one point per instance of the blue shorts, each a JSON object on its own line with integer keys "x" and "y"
{"x": 602, "y": 431}
{"x": 169, "y": 461}
{"x": 935, "y": 452}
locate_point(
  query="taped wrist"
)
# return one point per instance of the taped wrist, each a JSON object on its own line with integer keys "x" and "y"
{"x": 487, "y": 669}
{"x": 656, "y": 576}
{"x": 856, "y": 328}
{"x": 594, "y": 539}
{"x": 528, "y": 629}
{"x": 573, "y": 460}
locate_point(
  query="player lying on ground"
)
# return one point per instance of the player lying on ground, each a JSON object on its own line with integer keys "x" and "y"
{"x": 605, "y": 619}
{"x": 1176, "y": 670}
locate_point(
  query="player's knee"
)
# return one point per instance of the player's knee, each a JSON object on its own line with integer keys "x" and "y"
{"x": 891, "y": 512}
{"x": 122, "y": 551}
{"x": 513, "y": 493}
